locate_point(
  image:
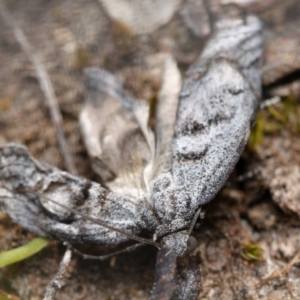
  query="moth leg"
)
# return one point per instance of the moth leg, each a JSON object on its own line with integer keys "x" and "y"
{"x": 103, "y": 257}
{"x": 196, "y": 216}
{"x": 165, "y": 271}
{"x": 249, "y": 175}
{"x": 188, "y": 279}
{"x": 176, "y": 278}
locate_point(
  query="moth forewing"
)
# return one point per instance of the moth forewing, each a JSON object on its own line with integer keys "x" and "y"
{"x": 218, "y": 103}
{"x": 240, "y": 40}
{"x": 25, "y": 189}
{"x": 208, "y": 146}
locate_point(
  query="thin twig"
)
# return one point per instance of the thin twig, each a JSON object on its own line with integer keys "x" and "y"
{"x": 46, "y": 86}
{"x": 52, "y": 103}
{"x": 55, "y": 283}
{"x": 281, "y": 272}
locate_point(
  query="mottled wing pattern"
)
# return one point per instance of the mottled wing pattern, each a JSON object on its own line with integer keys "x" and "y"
{"x": 26, "y": 187}
{"x": 218, "y": 103}
{"x": 239, "y": 40}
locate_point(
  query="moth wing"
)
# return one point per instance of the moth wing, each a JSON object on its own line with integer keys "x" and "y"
{"x": 115, "y": 137}
{"x": 26, "y": 186}
{"x": 165, "y": 115}
{"x": 218, "y": 104}
{"x": 240, "y": 40}
{"x": 125, "y": 152}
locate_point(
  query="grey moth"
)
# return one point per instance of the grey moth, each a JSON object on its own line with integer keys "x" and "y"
{"x": 154, "y": 182}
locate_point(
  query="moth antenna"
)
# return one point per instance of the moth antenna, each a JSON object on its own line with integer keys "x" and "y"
{"x": 103, "y": 257}
{"x": 103, "y": 224}
{"x": 196, "y": 216}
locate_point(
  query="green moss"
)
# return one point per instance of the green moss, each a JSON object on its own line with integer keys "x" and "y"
{"x": 252, "y": 251}
{"x": 257, "y": 133}
{"x": 283, "y": 116}
{"x": 292, "y": 113}
{"x": 278, "y": 115}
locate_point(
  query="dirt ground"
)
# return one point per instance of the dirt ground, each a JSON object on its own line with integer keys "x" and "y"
{"x": 248, "y": 242}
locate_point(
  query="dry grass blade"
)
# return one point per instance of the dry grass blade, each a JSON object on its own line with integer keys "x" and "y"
{"x": 46, "y": 86}
{"x": 281, "y": 272}
{"x": 52, "y": 103}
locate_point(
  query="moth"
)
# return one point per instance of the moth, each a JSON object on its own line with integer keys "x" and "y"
{"x": 154, "y": 181}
